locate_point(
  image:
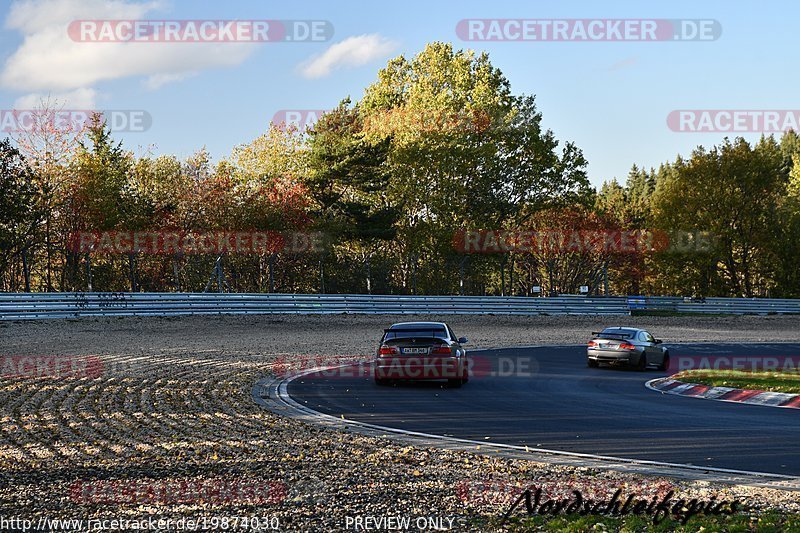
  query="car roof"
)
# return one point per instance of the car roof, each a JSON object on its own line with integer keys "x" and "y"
{"x": 416, "y": 325}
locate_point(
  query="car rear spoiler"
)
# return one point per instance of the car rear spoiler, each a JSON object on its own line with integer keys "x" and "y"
{"x": 623, "y": 336}
{"x": 413, "y": 330}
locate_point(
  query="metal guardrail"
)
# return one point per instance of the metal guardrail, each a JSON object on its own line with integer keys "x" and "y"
{"x": 22, "y": 306}
{"x": 722, "y": 306}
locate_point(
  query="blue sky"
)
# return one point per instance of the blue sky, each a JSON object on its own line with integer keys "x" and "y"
{"x": 611, "y": 98}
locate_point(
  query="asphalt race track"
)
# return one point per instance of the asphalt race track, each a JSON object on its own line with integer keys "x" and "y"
{"x": 554, "y": 401}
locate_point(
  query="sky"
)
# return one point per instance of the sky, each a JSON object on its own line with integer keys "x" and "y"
{"x": 611, "y": 99}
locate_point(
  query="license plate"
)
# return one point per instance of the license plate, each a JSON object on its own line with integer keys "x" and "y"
{"x": 415, "y": 350}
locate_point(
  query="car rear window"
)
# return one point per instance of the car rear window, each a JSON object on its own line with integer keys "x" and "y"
{"x": 438, "y": 333}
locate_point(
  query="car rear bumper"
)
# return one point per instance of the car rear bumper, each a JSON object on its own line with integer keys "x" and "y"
{"x": 419, "y": 368}
{"x": 611, "y": 357}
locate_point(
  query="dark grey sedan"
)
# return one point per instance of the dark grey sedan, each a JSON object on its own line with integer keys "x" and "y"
{"x": 626, "y": 346}
{"x": 421, "y": 351}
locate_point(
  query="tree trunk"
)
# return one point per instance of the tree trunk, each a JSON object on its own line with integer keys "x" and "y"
{"x": 414, "y": 260}
{"x": 132, "y": 272}
{"x": 369, "y": 276}
{"x": 503, "y": 276}
{"x": 461, "y": 275}
{"x": 26, "y": 271}
{"x": 272, "y": 272}
{"x": 176, "y": 272}
{"x": 511, "y": 277}
{"x": 89, "y": 272}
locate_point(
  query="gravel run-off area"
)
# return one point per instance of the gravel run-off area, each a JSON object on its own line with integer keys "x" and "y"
{"x": 167, "y": 426}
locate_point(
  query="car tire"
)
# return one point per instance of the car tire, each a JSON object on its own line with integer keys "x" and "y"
{"x": 665, "y": 363}
{"x": 642, "y": 365}
{"x": 381, "y": 382}
{"x": 592, "y": 364}
{"x": 455, "y": 383}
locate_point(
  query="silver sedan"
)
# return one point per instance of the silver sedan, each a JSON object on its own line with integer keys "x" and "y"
{"x": 626, "y": 346}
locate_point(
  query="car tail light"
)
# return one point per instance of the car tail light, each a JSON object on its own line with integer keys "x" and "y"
{"x": 592, "y": 344}
{"x": 440, "y": 350}
{"x": 626, "y": 346}
{"x": 388, "y": 350}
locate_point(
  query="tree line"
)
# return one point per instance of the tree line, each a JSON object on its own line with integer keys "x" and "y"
{"x": 437, "y": 146}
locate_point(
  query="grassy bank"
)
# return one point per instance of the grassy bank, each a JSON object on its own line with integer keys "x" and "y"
{"x": 741, "y": 379}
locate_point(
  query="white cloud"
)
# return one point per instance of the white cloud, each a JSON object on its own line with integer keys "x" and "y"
{"x": 78, "y": 99}
{"x": 352, "y": 52}
{"x": 49, "y": 60}
{"x": 154, "y": 82}
{"x": 34, "y": 16}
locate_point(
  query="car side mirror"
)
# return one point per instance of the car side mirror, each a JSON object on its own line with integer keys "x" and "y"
{"x": 462, "y": 340}
{"x": 658, "y": 341}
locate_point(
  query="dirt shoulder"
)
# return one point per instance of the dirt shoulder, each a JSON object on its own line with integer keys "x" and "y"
{"x": 172, "y": 403}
